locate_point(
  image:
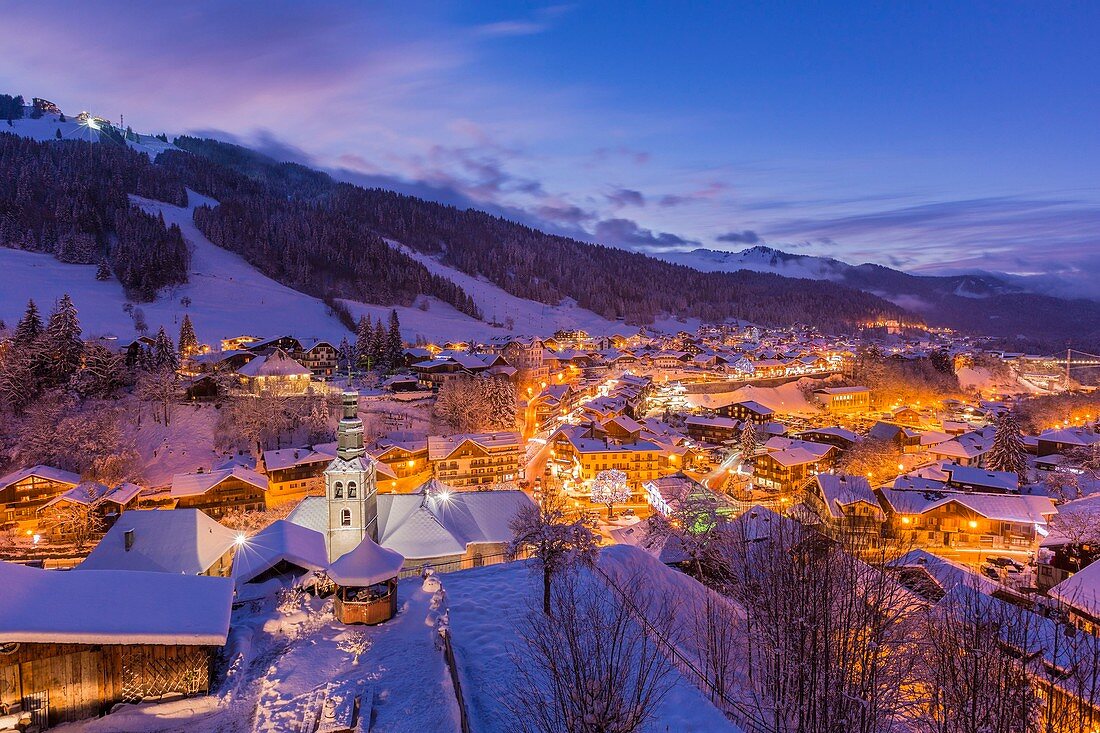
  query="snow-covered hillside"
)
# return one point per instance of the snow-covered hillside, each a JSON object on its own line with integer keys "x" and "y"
{"x": 227, "y": 295}
{"x": 47, "y": 126}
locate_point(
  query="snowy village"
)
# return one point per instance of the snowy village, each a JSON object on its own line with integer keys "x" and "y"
{"x": 367, "y": 400}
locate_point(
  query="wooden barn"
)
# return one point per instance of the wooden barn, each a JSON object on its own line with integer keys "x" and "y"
{"x": 73, "y": 644}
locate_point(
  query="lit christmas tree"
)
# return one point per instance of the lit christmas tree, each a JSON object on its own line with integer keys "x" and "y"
{"x": 610, "y": 488}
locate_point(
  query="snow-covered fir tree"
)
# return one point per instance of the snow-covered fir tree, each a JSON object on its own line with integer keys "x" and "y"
{"x": 395, "y": 347}
{"x": 164, "y": 354}
{"x": 62, "y": 342}
{"x": 749, "y": 440}
{"x": 188, "y": 343}
{"x": 1007, "y": 451}
{"x": 29, "y": 327}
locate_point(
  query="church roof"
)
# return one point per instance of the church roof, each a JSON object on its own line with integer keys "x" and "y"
{"x": 425, "y": 525}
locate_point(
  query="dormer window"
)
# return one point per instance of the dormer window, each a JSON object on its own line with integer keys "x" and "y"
{"x": 338, "y": 490}
{"x": 351, "y": 490}
{"x": 345, "y": 518}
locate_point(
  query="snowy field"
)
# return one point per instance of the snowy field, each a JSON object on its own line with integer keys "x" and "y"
{"x": 487, "y": 606}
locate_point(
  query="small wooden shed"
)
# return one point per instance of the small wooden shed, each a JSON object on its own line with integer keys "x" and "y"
{"x": 73, "y": 644}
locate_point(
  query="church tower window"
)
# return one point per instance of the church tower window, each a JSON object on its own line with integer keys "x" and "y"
{"x": 338, "y": 490}
{"x": 351, "y": 490}
{"x": 345, "y": 518}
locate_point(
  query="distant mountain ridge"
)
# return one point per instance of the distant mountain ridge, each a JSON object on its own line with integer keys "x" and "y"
{"x": 307, "y": 231}
{"x": 980, "y": 303}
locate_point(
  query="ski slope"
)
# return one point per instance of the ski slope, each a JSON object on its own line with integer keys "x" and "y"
{"x": 228, "y": 296}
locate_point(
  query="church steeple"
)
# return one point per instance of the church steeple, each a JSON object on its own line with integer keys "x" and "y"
{"x": 350, "y": 485}
{"x": 349, "y": 434}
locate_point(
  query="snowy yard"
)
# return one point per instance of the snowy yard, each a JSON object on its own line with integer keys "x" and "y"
{"x": 487, "y": 608}
{"x": 288, "y": 659}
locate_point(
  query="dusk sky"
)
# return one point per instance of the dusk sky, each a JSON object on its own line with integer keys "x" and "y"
{"x": 931, "y": 137}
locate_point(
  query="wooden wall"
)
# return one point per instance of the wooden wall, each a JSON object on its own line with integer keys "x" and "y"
{"x": 84, "y": 680}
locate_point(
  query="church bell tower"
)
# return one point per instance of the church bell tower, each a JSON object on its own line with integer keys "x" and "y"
{"x": 350, "y": 486}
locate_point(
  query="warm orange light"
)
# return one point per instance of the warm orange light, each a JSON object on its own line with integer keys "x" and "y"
{"x": 973, "y": 524}
{"x": 905, "y": 520}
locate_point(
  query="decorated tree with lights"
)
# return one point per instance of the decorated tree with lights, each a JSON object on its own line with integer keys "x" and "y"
{"x": 1007, "y": 451}
{"x": 610, "y": 488}
{"x": 749, "y": 440}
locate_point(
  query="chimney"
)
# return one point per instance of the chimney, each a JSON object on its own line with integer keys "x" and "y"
{"x": 128, "y": 539}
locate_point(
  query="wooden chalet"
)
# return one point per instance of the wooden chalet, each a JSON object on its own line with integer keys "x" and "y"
{"x": 73, "y": 645}
{"x": 23, "y": 493}
{"x": 221, "y": 491}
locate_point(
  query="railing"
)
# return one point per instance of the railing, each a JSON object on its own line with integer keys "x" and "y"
{"x": 464, "y": 564}
{"x": 452, "y": 668}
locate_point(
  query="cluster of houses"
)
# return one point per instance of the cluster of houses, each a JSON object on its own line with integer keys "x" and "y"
{"x": 170, "y": 578}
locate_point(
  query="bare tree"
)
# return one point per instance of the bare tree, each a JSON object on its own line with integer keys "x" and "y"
{"x": 825, "y": 634}
{"x": 161, "y": 388}
{"x": 556, "y": 543}
{"x": 591, "y": 668}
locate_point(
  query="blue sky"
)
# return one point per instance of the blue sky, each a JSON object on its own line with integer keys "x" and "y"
{"x": 932, "y": 137}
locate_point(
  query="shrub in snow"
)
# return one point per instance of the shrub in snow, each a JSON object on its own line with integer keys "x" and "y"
{"x": 356, "y": 643}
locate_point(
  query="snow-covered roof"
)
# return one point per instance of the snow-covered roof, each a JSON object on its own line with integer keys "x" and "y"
{"x": 41, "y": 471}
{"x": 112, "y": 607}
{"x": 164, "y": 540}
{"x": 947, "y": 574}
{"x": 791, "y": 452}
{"x": 1005, "y": 480}
{"x": 1023, "y": 509}
{"x": 281, "y": 540}
{"x": 841, "y": 491}
{"x": 194, "y": 484}
{"x": 1081, "y": 590}
{"x": 275, "y": 364}
{"x": 86, "y": 492}
{"x": 277, "y": 460}
{"x": 424, "y": 525}
{"x": 442, "y": 446}
{"x": 1070, "y": 436}
{"x": 367, "y": 564}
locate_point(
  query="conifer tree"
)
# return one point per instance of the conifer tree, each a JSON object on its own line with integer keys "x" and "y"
{"x": 63, "y": 345}
{"x": 378, "y": 344}
{"x": 395, "y": 347}
{"x": 749, "y": 440}
{"x": 29, "y": 327}
{"x": 188, "y": 343}
{"x": 1007, "y": 451}
{"x": 164, "y": 352}
{"x": 103, "y": 271}
{"x": 363, "y": 334}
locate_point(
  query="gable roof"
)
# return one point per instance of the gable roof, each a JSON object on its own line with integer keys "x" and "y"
{"x": 841, "y": 491}
{"x": 165, "y": 540}
{"x": 281, "y": 540}
{"x": 275, "y": 364}
{"x": 112, "y": 607}
{"x": 195, "y": 484}
{"x": 1022, "y": 509}
{"x": 442, "y": 446}
{"x": 42, "y": 471}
